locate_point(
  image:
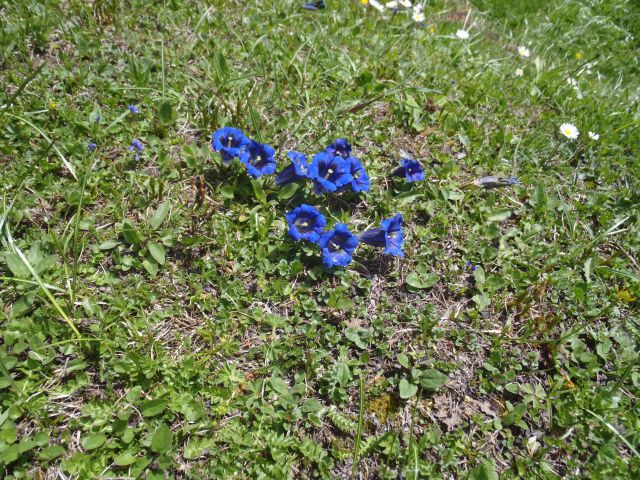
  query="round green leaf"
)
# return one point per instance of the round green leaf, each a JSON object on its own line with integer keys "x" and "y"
{"x": 93, "y": 441}
{"x": 407, "y": 389}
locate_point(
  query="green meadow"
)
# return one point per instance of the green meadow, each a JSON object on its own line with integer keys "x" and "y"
{"x": 159, "y": 321}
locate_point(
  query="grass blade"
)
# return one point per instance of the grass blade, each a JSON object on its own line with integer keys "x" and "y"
{"x": 42, "y": 285}
{"x": 615, "y": 431}
{"x": 44, "y": 135}
{"x": 356, "y": 448}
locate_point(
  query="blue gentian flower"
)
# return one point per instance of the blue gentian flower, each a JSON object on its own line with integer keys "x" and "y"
{"x": 338, "y": 245}
{"x": 134, "y": 109}
{"x": 468, "y": 264}
{"x": 136, "y": 145}
{"x": 495, "y": 182}
{"x": 259, "y": 158}
{"x": 305, "y": 222}
{"x": 359, "y": 177}
{"x": 328, "y": 172}
{"x": 340, "y": 147}
{"x": 91, "y": 147}
{"x": 294, "y": 172}
{"x": 230, "y": 142}
{"x": 388, "y": 235}
{"x": 410, "y": 169}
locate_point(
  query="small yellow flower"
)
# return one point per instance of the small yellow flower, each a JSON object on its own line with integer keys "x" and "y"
{"x": 364, "y": 2}
{"x": 432, "y": 29}
{"x": 579, "y": 55}
{"x": 52, "y": 105}
{"x": 625, "y": 296}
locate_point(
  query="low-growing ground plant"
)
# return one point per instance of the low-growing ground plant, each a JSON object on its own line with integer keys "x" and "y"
{"x": 415, "y": 256}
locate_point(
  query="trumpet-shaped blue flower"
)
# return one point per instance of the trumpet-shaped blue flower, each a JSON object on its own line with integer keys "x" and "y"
{"x": 91, "y": 147}
{"x": 410, "y": 169}
{"x": 136, "y": 146}
{"x": 292, "y": 173}
{"x": 328, "y": 172}
{"x": 230, "y": 142}
{"x": 359, "y": 178}
{"x": 388, "y": 235}
{"x": 305, "y": 222}
{"x": 338, "y": 246}
{"x": 259, "y": 158}
{"x": 133, "y": 109}
{"x": 340, "y": 147}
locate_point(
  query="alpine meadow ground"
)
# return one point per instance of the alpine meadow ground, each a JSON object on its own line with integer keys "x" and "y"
{"x": 460, "y": 301}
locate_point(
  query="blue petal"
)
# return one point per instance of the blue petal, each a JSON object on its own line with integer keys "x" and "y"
{"x": 328, "y": 172}
{"x": 338, "y": 246}
{"x": 340, "y": 147}
{"x": 259, "y": 158}
{"x": 375, "y": 237}
{"x": 305, "y": 222}
{"x": 230, "y": 142}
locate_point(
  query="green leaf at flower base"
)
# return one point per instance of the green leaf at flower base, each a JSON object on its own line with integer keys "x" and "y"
{"x": 259, "y": 191}
{"x": 403, "y": 360}
{"x": 130, "y": 233}
{"x": 16, "y": 265}
{"x": 355, "y": 335}
{"x": 422, "y": 281}
{"x": 108, "y": 245}
{"x": 407, "y": 389}
{"x": 162, "y": 439}
{"x": 157, "y": 252}
{"x": 485, "y": 471}
{"x": 150, "y": 265}
{"x": 10, "y": 454}
{"x": 287, "y": 191}
{"x": 514, "y": 415}
{"x": 126, "y": 458}
{"x": 151, "y": 408}
{"x": 159, "y": 215}
{"x": 93, "y": 441}
{"x": 227, "y": 192}
{"x": 431, "y": 379}
{"x": 51, "y": 452}
{"x": 499, "y": 215}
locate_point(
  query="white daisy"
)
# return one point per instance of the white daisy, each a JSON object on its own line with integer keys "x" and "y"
{"x": 569, "y": 131}
{"x": 392, "y": 4}
{"x": 418, "y": 16}
{"x": 462, "y": 34}
{"x": 405, "y": 3}
{"x": 594, "y": 136}
{"x": 377, "y": 5}
{"x": 519, "y": 72}
{"x": 524, "y": 51}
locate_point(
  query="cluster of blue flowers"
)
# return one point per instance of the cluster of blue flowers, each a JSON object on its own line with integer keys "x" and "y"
{"x": 333, "y": 169}
{"x": 338, "y": 244}
{"x": 259, "y": 158}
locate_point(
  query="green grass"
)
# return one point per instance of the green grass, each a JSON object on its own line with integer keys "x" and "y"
{"x": 210, "y": 345}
